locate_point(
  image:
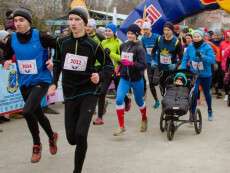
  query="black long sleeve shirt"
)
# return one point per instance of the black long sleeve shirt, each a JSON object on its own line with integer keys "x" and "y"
{"x": 77, "y": 83}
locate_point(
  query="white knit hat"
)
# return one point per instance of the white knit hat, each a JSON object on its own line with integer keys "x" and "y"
{"x": 147, "y": 25}
{"x": 3, "y": 34}
{"x": 92, "y": 23}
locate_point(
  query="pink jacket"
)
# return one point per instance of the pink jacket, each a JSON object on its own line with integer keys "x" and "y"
{"x": 226, "y": 55}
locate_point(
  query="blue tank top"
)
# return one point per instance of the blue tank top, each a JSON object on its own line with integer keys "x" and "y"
{"x": 167, "y": 54}
{"x": 149, "y": 43}
{"x": 30, "y": 59}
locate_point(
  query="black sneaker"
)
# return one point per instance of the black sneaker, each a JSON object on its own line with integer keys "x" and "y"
{"x": 219, "y": 95}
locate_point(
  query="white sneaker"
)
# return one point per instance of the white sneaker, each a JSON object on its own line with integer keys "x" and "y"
{"x": 226, "y": 98}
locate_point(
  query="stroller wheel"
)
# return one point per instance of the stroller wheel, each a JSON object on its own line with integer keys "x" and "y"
{"x": 170, "y": 130}
{"x": 198, "y": 121}
{"x": 163, "y": 122}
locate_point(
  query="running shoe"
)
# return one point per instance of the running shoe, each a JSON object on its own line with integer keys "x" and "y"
{"x": 144, "y": 125}
{"x": 210, "y": 116}
{"x": 157, "y": 104}
{"x": 53, "y": 144}
{"x": 119, "y": 132}
{"x": 219, "y": 96}
{"x": 98, "y": 121}
{"x": 226, "y": 98}
{"x": 36, "y": 153}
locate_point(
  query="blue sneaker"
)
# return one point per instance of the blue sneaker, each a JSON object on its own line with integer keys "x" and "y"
{"x": 210, "y": 116}
{"x": 157, "y": 104}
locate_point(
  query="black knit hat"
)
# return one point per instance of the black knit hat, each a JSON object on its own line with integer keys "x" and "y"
{"x": 134, "y": 28}
{"x": 82, "y": 12}
{"x": 169, "y": 25}
{"x": 23, "y": 13}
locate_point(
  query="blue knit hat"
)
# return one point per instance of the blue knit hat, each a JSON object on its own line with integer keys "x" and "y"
{"x": 112, "y": 27}
{"x": 182, "y": 76}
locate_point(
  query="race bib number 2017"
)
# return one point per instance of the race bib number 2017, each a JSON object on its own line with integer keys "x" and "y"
{"x": 27, "y": 66}
{"x": 75, "y": 62}
{"x": 165, "y": 59}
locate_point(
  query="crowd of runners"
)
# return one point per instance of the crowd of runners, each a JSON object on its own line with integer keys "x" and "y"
{"x": 89, "y": 59}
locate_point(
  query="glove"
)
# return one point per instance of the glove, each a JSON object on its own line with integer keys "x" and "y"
{"x": 172, "y": 67}
{"x": 126, "y": 62}
{"x": 198, "y": 55}
{"x": 107, "y": 51}
{"x": 153, "y": 65}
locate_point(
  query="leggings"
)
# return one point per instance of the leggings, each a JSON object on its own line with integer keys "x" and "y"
{"x": 164, "y": 80}
{"x": 206, "y": 85}
{"x": 123, "y": 89}
{"x": 32, "y": 110}
{"x": 101, "y": 98}
{"x": 217, "y": 80}
{"x": 150, "y": 73}
{"x": 78, "y": 115}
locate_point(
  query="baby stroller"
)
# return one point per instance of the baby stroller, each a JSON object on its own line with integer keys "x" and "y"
{"x": 177, "y": 101}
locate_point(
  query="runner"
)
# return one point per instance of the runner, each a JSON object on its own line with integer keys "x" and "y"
{"x": 111, "y": 46}
{"x": 169, "y": 52}
{"x": 91, "y": 31}
{"x": 149, "y": 41}
{"x": 201, "y": 57}
{"x": 224, "y": 46}
{"x": 75, "y": 58}
{"x": 132, "y": 72}
{"x": 218, "y": 75}
{"x": 30, "y": 47}
{"x": 102, "y": 103}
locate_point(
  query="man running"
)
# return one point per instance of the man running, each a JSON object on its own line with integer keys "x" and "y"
{"x": 30, "y": 47}
{"x": 76, "y": 57}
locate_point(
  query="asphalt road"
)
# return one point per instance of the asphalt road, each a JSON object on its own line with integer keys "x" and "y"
{"x": 134, "y": 152}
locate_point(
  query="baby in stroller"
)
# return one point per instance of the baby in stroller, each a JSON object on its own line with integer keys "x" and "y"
{"x": 176, "y": 100}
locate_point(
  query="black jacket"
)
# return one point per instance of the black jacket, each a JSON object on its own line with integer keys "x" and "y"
{"x": 135, "y": 72}
{"x": 78, "y": 83}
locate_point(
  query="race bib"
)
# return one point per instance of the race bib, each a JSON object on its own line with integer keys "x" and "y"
{"x": 75, "y": 62}
{"x": 222, "y": 52}
{"x": 127, "y": 56}
{"x": 165, "y": 59}
{"x": 27, "y": 66}
{"x": 198, "y": 65}
{"x": 149, "y": 51}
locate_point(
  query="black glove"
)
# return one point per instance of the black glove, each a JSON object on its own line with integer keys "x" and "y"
{"x": 107, "y": 51}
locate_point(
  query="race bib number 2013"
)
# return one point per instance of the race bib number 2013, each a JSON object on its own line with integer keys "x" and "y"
{"x": 75, "y": 62}
{"x": 127, "y": 55}
{"x": 27, "y": 66}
